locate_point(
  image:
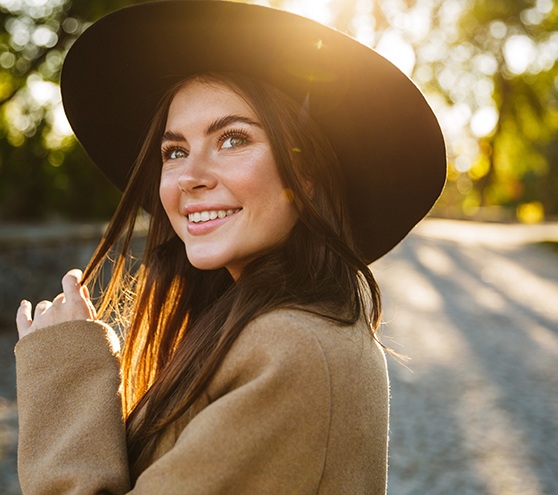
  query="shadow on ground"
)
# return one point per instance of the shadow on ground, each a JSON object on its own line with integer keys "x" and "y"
{"x": 478, "y": 413}
{"x": 473, "y": 306}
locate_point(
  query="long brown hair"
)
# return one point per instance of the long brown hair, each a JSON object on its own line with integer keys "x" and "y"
{"x": 182, "y": 321}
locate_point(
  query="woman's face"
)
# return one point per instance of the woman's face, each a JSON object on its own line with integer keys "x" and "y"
{"x": 219, "y": 184}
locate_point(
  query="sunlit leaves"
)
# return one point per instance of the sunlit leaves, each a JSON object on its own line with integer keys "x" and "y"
{"x": 510, "y": 49}
{"x": 488, "y": 67}
{"x": 42, "y": 171}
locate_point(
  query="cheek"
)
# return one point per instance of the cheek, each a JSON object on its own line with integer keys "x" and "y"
{"x": 168, "y": 193}
{"x": 273, "y": 202}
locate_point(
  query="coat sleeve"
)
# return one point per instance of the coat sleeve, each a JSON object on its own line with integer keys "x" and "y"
{"x": 71, "y": 430}
{"x": 265, "y": 429}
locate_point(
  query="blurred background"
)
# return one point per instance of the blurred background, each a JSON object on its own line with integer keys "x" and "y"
{"x": 471, "y": 296}
{"x": 488, "y": 67}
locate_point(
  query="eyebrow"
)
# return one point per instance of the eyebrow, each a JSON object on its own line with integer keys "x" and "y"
{"x": 215, "y": 126}
{"x": 172, "y": 136}
{"x": 219, "y": 124}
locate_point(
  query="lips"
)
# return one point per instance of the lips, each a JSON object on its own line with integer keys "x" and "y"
{"x": 207, "y": 215}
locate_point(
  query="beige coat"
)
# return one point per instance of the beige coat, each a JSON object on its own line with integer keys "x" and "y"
{"x": 299, "y": 406}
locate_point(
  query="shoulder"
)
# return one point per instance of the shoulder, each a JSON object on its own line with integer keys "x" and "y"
{"x": 287, "y": 325}
{"x": 318, "y": 350}
{"x": 286, "y": 329}
{"x": 297, "y": 346}
{"x": 273, "y": 349}
{"x": 297, "y": 332}
{"x": 287, "y": 335}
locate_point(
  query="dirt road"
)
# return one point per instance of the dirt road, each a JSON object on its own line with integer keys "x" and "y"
{"x": 475, "y": 307}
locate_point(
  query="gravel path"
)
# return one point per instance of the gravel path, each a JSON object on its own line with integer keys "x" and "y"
{"x": 475, "y": 409}
{"x": 8, "y": 416}
{"x": 476, "y": 413}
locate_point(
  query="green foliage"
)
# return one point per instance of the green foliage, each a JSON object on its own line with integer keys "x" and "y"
{"x": 519, "y": 158}
{"x": 43, "y": 172}
{"x": 462, "y": 61}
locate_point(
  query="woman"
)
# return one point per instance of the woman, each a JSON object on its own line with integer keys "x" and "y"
{"x": 280, "y": 157}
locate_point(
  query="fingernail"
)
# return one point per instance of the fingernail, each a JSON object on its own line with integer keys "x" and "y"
{"x": 24, "y": 302}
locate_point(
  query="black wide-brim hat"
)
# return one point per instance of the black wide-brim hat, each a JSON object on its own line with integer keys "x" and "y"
{"x": 384, "y": 132}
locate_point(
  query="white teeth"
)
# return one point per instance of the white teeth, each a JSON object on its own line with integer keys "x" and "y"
{"x": 205, "y": 216}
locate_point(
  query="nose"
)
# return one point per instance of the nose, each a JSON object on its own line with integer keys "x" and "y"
{"x": 197, "y": 173}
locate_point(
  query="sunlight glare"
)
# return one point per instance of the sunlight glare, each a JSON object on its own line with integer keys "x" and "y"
{"x": 498, "y": 29}
{"x": 364, "y": 23}
{"x": 393, "y": 47}
{"x": 319, "y": 10}
{"x": 43, "y": 92}
{"x": 484, "y": 121}
{"x": 455, "y": 117}
{"x": 60, "y": 124}
{"x": 519, "y": 52}
{"x": 548, "y": 53}
{"x": 544, "y": 6}
{"x": 418, "y": 23}
{"x": 486, "y": 63}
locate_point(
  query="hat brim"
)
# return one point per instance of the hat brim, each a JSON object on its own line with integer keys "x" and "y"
{"x": 384, "y": 132}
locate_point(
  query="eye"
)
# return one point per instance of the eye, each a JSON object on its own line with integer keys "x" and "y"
{"x": 233, "y": 139}
{"x": 173, "y": 153}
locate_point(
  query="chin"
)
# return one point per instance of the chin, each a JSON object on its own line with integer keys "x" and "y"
{"x": 205, "y": 262}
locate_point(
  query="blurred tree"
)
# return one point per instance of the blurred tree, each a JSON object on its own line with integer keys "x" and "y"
{"x": 487, "y": 66}
{"x": 43, "y": 174}
{"x": 511, "y": 49}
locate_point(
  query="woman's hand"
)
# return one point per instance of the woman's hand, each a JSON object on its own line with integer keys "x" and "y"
{"x": 73, "y": 304}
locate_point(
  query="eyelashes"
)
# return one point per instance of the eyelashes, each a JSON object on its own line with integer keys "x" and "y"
{"x": 171, "y": 152}
{"x": 232, "y": 138}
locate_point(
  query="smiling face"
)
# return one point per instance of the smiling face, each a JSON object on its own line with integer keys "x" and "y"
{"x": 219, "y": 183}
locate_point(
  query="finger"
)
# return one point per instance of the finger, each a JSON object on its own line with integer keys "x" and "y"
{"x": 23, "y": 318}
{"x": 41, "y": 308}
{"x": 59, "y": 298}
{"x": 85, "y": 294}
{"x": 92, "y": 310}
{"x": 71, "y": 283}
